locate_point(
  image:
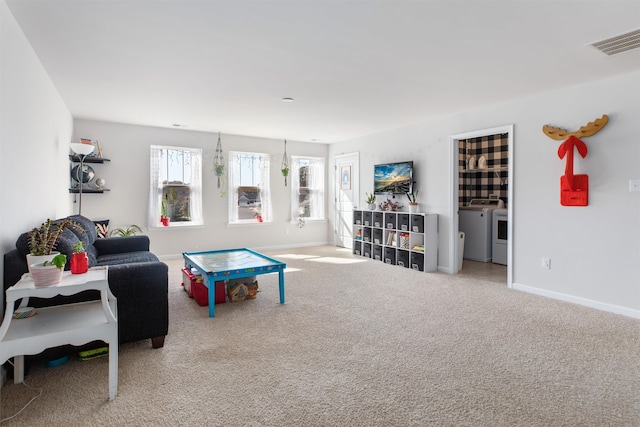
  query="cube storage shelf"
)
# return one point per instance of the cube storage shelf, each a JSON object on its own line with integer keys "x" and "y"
{"x": 405, "y": 239}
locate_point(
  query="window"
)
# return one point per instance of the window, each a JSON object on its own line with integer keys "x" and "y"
{"x": 307, "y": 188}
{"x": 176, "y": 180}
{"x": 249, "y": 198}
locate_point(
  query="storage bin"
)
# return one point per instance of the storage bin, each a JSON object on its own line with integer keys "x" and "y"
{"x": 357, "y": 217}
{"x": 389, "y": 220}
{"x": 377, "y": 218}
{"x": 390, "y": 256}
{"x": 403, "y": 222}
{"x": 377, "y": 236}
{"x": 366, "y": 250}
{"x": 417, "y": 223}
{"x": 366, "y": 218}
{"x": 403, "y": 258}
{"x": 377, "y": 252}
{"x": 417, "y": 261}
{"x": 357, "y": 248}
{"x": 201, "y": 293}
{"x": 188, "y": 276}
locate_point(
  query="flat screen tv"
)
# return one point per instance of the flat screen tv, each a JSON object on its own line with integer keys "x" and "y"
{"x": 393, "y": 178}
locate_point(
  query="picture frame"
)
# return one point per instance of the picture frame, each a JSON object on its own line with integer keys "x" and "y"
{"x": 345, "y": 177}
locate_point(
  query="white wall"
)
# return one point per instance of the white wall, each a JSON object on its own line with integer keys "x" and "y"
{"x": 35, "y": 131}
{"x": 594, "y": 250}
{"x": 127, "y": 177}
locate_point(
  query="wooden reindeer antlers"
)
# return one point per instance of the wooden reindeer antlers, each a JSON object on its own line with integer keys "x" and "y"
{"x": 590, "y": 129}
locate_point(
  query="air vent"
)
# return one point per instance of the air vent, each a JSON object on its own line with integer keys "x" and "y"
{"x": 618, "y": 44}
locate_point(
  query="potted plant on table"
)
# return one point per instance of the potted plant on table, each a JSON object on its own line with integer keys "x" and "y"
{"x": 371, "y": 201}
{"x": 79, "y": 259}
{"x": 48, "y": 273}
{"x": 43, "y": 239}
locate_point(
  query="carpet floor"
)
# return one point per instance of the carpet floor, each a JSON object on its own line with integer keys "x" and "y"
{"x": 357, "y": 343}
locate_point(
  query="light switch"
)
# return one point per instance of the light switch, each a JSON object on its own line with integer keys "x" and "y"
{"x": 634, "y": 185}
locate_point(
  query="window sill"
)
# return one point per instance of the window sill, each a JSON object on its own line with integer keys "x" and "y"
{"x": 308, "y": 221}
{"x": 248, "y": 224}
{"x": 176, "y": 225}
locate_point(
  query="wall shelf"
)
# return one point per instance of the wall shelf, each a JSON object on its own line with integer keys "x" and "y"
{"x": 88, "y": 159}
{"x": 87, "y": 190}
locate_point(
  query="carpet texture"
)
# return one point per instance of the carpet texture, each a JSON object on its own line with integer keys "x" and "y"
{"x": 357, "y": 343}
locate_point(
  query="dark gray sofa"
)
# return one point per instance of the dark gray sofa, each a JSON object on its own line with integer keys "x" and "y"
{"x": 136, "y": 278}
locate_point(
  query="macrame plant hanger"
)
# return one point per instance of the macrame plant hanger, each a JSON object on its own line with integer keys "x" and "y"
{"x": 218, "y": 161}
{"x": 285, "y": 164}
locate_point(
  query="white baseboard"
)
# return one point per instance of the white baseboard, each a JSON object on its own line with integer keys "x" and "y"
{"x": 625, "y": 311}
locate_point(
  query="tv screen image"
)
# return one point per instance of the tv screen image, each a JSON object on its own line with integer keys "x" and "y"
{"x": 393, "y": 178}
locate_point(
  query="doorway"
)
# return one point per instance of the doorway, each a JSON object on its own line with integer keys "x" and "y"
{"x": 346, "y": 194}
{"x": 454, "y": 237}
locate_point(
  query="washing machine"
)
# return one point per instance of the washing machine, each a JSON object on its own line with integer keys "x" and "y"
{"x": 476, "y": 221}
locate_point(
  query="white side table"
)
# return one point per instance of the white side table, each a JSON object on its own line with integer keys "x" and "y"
{"x": 74, "y": 324}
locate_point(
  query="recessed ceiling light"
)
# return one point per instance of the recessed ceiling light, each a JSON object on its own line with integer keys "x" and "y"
{"x": 287, "y": 99}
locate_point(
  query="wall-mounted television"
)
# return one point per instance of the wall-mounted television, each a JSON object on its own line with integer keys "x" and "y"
{"x": 393, "y": 178}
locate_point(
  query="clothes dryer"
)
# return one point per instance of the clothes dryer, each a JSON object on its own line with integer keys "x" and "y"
{"x": 500, "y": 237}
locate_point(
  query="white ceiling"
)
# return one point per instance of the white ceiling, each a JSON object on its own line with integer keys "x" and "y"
{"x": 353, "y": 67}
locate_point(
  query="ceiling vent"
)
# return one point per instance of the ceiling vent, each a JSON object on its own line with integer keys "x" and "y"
{"x": 618, "y": 44}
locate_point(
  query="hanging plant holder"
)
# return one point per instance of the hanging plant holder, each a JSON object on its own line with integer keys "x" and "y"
{"x": 284, "y": 168}
{"x": 218, "y": 161}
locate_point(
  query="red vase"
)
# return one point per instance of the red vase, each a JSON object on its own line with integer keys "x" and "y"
{"x": 79, "y": 263}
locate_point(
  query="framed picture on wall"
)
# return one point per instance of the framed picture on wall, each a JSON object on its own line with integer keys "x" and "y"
{"x": 345, "y": 177}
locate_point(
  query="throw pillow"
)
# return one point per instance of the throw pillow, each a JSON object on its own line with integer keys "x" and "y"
{"x": 102, "y": 228}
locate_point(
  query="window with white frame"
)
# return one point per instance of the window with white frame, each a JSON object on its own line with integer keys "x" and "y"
{"x": 249, "y": 191}
{"x": 307, "y": 188}
{"x": 175, "y": 189}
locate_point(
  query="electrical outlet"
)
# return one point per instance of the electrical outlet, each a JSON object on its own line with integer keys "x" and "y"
{"x": 634, "y": 185}
{"x": 546, "y": 263}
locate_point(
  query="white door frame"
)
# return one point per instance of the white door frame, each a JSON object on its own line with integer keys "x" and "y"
{"x": 355, "y": 188}
{"x": 453, "y": 202}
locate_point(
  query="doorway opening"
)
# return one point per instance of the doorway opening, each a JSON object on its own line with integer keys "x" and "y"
{"x": 465, "y": 162}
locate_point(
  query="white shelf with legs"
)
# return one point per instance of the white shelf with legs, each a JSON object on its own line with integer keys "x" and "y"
{"x": 405, "y": 239}
{"x": 74, "y": 324}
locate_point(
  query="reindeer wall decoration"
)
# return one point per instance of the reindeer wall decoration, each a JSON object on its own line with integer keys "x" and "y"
{"x": 574, "y": 189}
